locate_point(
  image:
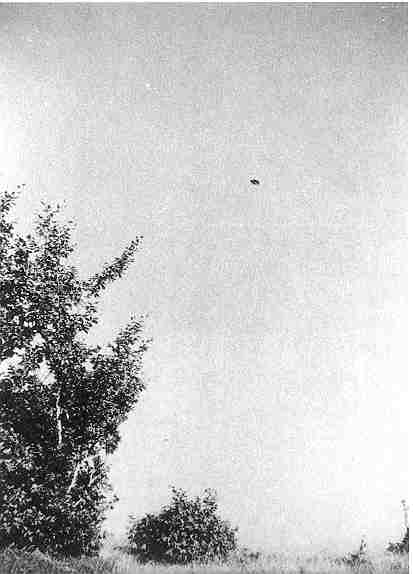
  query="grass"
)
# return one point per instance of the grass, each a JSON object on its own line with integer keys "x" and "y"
{"x": 23, "y": 562}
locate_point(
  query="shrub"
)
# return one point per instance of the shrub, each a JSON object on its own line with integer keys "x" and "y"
{"x": 185, "y": 531}
{"x": 357, "y": 559}
{"x": 401, "y": 547}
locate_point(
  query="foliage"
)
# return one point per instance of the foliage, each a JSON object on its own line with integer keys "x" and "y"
{"x": 14, "y": 561}
{"x": 357, "y": 560}
{"x": 62, "y": 398}
{"x": 244, "y": 556}
{"x": 401, "y": 547}
{"x": 184, "y": 531}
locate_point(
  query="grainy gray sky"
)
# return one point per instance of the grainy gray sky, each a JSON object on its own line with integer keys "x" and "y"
{"x": 277, "y": 373}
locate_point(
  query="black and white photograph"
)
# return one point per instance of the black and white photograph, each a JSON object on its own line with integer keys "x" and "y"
{"x": 203, "y": 288}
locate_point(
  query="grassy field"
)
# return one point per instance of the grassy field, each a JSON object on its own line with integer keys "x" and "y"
{"x": 18, "y": 562}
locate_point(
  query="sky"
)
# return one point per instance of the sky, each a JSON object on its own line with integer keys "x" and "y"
{"x": 277, "y": 372}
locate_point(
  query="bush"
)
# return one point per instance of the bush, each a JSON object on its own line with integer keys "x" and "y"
{"x": 401, "y": 547}
{"x": 185, "y": 531}
{"x": 357, "y": 559}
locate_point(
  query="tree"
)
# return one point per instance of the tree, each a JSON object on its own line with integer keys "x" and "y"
{"x": 185, "y": 531}
{"x": 62, "y": 399}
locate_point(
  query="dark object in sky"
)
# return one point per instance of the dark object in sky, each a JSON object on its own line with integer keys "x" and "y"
{"x": 255, "y": 181}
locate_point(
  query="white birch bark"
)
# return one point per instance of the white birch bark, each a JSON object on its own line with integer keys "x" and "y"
{"x": 77, "y": 468}
{"x": 59, "y": 421}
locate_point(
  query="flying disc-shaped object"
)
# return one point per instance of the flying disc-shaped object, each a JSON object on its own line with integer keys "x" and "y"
{"x": 255, "y": 181}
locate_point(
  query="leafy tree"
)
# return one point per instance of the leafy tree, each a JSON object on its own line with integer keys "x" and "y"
{"x": 62, "y": 399}
{"x": 185, "y": 531}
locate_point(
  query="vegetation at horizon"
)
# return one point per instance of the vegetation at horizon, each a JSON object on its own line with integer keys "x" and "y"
{"x": 63, "y": 400}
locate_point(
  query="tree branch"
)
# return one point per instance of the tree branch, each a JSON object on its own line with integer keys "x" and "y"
{"x": 74, "y": 477}
{"x": 77, "y": 468}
